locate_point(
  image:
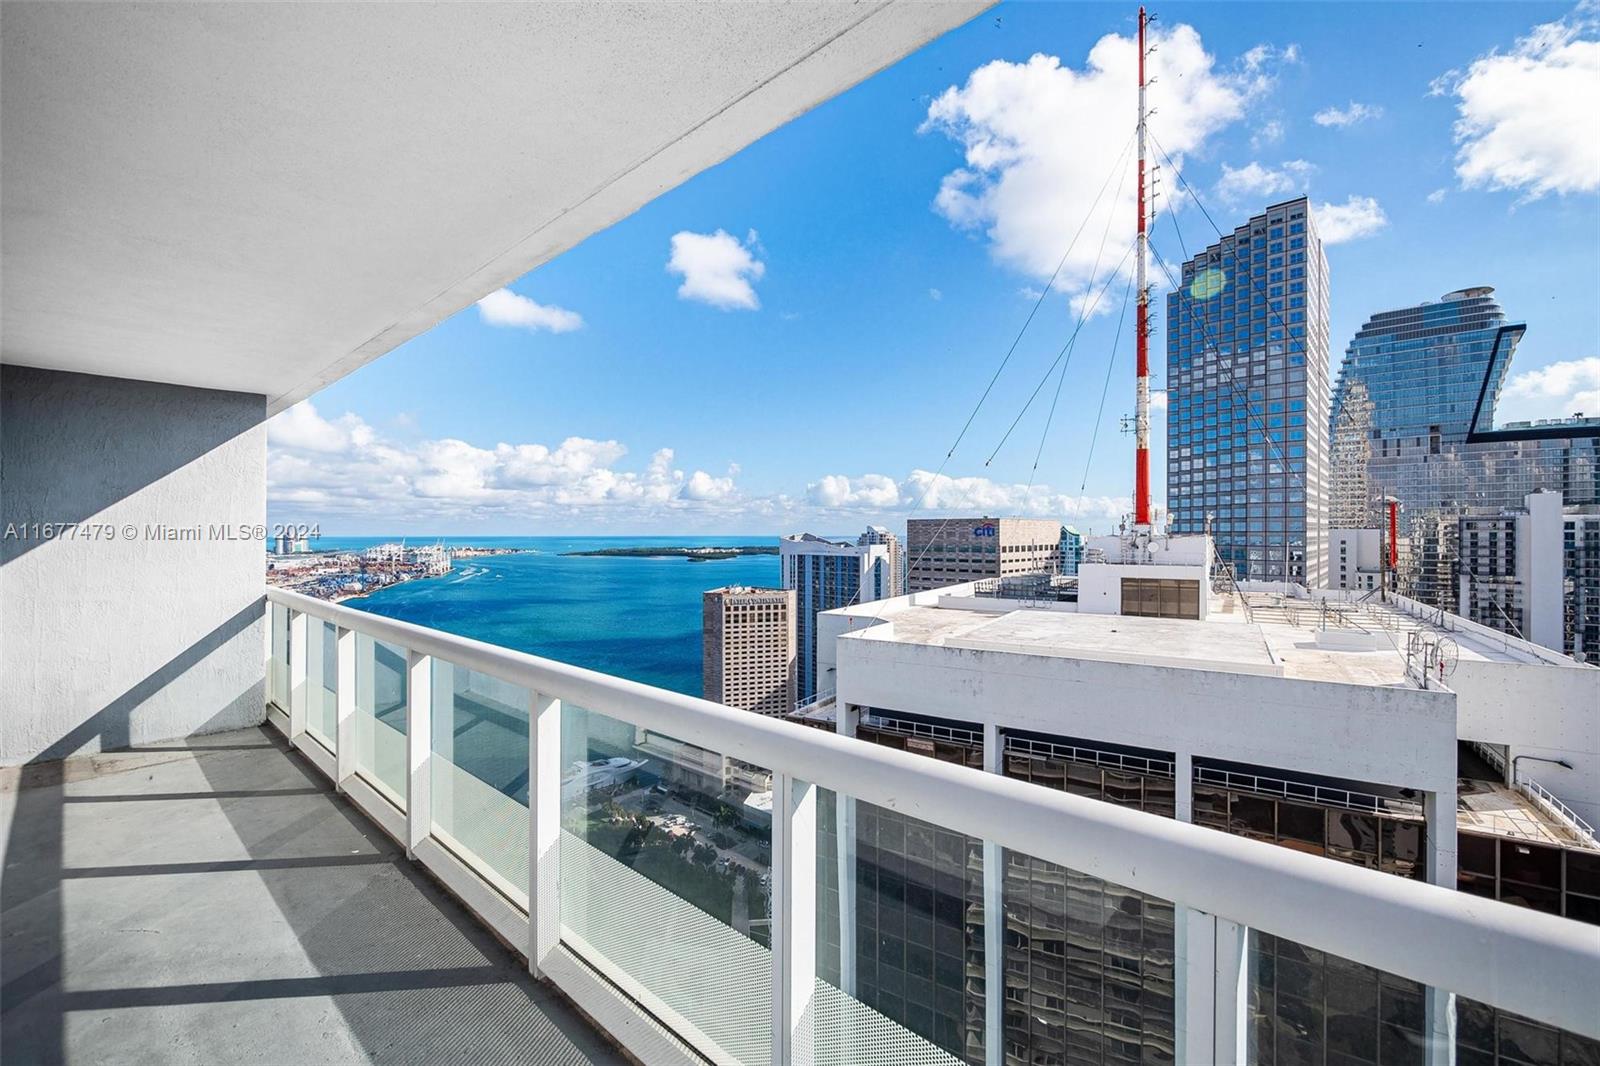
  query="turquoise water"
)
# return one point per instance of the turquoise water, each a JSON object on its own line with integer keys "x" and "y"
{"x": 635, "y": 618}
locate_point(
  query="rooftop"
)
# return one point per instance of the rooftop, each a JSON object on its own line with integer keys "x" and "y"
{"x": 1349, "y": 643}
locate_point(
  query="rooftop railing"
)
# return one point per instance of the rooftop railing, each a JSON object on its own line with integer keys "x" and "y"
{"x": 695, "y": 921}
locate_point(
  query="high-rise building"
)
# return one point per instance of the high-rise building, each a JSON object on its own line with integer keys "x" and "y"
{"x": 1071, "y": 550}
{"x": 1534, "y": 572}
{"x": 1430, "y": 376}
{"x": 748, "y": 649}
{"x": 826, "y": 574}
{"x": 1247, "y": 397}
{"x": 897, "y": 557}
{"x": 1356, "y": 558}
{"x": 949, "y": 551}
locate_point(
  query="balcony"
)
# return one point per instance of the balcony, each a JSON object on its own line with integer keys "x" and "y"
{"x": 466, "y": 758}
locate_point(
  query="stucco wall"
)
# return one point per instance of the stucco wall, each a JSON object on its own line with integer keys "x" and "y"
{"x": 1551, "y": 712}
{"x": 119, "y": 635}
{"x": 1391, "y": 736}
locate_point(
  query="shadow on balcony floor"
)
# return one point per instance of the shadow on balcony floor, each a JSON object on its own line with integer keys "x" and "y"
{"x": 216, "y": 902}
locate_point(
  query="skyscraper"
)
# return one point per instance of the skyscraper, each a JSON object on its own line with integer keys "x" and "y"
{"x": 826, "y": 574}
{"x": 949, "y": 551}
{"x": 1534, "y": 572}
{"x": 1431, "y": 375}
{"x": 1247, "y": 397}
{"x": 897, "y": 557}
{"x": 747, "y": 647}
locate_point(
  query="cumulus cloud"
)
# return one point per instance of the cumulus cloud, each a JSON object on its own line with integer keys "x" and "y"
{"x": 869, "y": 491}
{"x": 935, "y": 294}
{"x": 1038, "y": 137}
{"x": 717, "y": 268}
{"x": 1357, "y": 217}
{"x": 1437, "y": 196}
{"x": 922, "y": 492}
{"x": 1268, "y": 133}
{"x": 342, "y": 472}
{"x": 1254, "y": 181}
{"x": 506, "y": 308}
{"x": 342, "y": 467}
{"x": 1554, "y": 391}
{"x": 1521, "y": 112}
{"x": 702, "y": 486}
{"x": 1353, "y": 115}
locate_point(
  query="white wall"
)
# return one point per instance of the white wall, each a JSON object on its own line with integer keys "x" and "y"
{"x": 1396, "y": 736}
{"x": 117, "y": 636}
{"x": 1533, "y": 709}
{"x": 1100, "y": 584}
{"x": 1541, "y": 568}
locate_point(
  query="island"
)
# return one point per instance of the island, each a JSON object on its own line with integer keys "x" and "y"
{"x": 694, "y": 555}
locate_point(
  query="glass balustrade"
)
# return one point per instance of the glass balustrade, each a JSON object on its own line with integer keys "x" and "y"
{"x": 666, "y": 862}
{"x": 380, "y": 717}
{"x": 479, "y": 775}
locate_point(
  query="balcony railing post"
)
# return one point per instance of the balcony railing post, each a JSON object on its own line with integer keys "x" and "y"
{"x": 299, "y": 677}
{"x": 794, "y": 920}
{"x": 544, "y": 829}
{"x": 846, "y": 718}
{"x": 345, "y": 703}
{"x": 270, "y": 679}
{"x": 1439, "y": 813}
{"x": 419, "y": 735}
{"x": 1232, "y": 1025}
{"x": 1212, "y": 989}
{"x": 994, "y": 919}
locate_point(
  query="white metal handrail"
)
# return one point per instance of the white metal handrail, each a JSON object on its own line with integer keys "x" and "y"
{"x": 1539, "y": 794}
{"x": 1295, "y": 790}
{"x": 1534, "y": 964}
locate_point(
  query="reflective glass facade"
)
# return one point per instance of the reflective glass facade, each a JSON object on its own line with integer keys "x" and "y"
{"x": 1424, "y": 369}
{"x": 1248, "y": 397}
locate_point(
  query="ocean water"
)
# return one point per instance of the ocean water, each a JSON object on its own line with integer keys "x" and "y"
{"x": 634, "y": 618}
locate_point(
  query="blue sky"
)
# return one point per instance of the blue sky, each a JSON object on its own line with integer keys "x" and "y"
{"x": 808, "y": 326}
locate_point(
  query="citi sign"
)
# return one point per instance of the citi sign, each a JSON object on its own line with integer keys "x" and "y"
{"x": 985, "y": 530}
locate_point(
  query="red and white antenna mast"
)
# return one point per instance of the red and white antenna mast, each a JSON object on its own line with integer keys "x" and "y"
{"x": 1141, "y": 331}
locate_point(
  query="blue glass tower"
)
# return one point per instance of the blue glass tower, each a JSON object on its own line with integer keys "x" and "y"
{"x": 1247, "y": 397}
{"x": 1433, "y": 374}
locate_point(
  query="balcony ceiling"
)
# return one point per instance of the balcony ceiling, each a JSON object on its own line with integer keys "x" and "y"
{"x": 265, "y": 197}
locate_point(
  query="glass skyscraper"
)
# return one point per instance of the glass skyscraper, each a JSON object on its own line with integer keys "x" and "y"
{"x": 1248, "y": 397}
{"x": 826, "y": 575}
{"x": 1432, "y": 374}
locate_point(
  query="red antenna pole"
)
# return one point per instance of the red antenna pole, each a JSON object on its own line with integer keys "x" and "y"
{"x": 1141, "y": 331}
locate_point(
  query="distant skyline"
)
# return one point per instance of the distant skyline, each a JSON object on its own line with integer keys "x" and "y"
{"x": 794, "y": 339}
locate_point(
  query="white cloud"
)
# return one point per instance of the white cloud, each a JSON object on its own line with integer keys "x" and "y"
{"x": 1553, "y": 391}
{"x": 1437, "y": 196}
{"x": 342, "y": 467}
{"x": 717, "y": 268}
{"x": 935, "y": 294}
{"x": 342, "y": 473}
{"x": 924, "y": 494}
{"x": 301, "y": 427}
{"x": 868, "y": 491}
{"x": 506, "y": 308}
{"x": 1038, "y": 138}
{"x": 1353, "y": 115}
{"x": 1158, "y": 399}
{"x": 1254, "y": 181}
{"x": 1268, "y": 133}
{"x": 1357, "y": 217}
{"x": 1522, "y": 112}
{"x": 702, "y": 486}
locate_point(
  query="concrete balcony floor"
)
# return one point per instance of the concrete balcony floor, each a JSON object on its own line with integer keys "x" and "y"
{"x": 213, "y": 901}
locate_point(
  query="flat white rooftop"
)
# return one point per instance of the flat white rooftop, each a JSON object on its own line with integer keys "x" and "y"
{"x": 1280, "y": 642}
